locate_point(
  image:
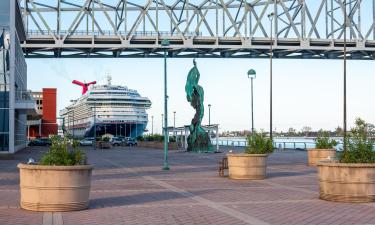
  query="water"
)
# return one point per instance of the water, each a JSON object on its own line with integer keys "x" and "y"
{"x": 279, "y": 142}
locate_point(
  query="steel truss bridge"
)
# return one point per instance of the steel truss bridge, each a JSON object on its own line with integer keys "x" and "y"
{"x": 199, "y": 28}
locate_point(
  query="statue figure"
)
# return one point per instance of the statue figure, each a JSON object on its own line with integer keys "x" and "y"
{"x": 198, "y": 140}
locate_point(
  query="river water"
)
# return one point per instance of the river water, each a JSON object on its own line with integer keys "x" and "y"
{"x": 279, "y": 142}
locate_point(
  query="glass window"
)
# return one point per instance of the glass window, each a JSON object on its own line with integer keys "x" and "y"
{"x": 4, "y": 13}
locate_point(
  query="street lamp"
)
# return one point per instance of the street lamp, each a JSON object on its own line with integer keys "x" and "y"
{"x": 174, "y": 119}
{"x": 152, "y": 125}
{"x": 94, "y": 125}
{"x": 174, "y": 122}
{"x": 252, "y": 75}
{"x": 165, "y": 43}
{"x": 270, "y": 17}
{"x": 73, "y": 125}
{"x": 162, "y": 123}
{"x": 345, "y": 25}
{"x": 209, "y": 114}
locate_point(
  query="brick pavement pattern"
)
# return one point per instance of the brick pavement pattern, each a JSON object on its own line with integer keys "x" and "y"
{"x": 130, "y": 187}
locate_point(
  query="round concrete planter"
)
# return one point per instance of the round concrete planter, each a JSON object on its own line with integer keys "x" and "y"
{"x": 247, "y": 166}
{"x": 315, "y": 155}
{"x": 54, "y": 188}
{"x": 346, "y": 182}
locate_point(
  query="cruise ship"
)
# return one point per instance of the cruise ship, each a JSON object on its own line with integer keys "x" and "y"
{"x": 111, "y": 109}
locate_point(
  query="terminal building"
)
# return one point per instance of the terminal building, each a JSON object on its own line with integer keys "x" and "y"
{"x": 16, "y": 102}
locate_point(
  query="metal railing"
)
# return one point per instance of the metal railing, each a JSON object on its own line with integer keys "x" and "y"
{"x": 109, "y": 33}
{"x": 24, "y": 96}
{"x": 276, "y": 144}
{"x": 304, "y": 145}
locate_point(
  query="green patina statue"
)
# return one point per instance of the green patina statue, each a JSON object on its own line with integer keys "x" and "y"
{"x": 198, "y": 140}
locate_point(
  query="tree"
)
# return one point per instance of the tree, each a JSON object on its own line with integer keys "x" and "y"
{"x": 339, "y": 131}
{"x": 306, "y": 130}
{"x": 371, "y": 129}
{"x": 291, "y": 131}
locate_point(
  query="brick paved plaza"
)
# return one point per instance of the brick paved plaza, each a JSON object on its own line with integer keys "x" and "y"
{"x": 129, "y": 187}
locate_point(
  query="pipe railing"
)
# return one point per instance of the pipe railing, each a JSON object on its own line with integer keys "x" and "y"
{"x": 277, "y": 144}
{"x": 108, "y": 33}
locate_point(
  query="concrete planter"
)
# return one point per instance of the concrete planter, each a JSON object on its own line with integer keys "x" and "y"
{"x": 346, "y": 182}
{"x": 247, "y": 166}
{"x": 54, "y": 188}
{"x": 157, "y": 145}
{"x": 315, "y": 155}
{"x": 103, "y": 144}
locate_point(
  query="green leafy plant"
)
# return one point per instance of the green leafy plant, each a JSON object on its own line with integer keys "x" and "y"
{"x": 258, "y": 144}
{"x": 359, "y": 146}
{"x": 140, "y": 138}
{"x": 172, "y": 139}
{"x": 324, "y": 142}
{"x": 60, "y": 155}
{"x": 106, "y": 138}
{"x": 154, "y": 137}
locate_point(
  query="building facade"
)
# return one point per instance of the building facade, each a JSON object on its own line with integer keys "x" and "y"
{"x": 44, "y": 124}
{"x": 16, "y": 101}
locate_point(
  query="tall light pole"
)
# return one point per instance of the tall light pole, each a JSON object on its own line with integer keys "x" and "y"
{"x": 252, "y": 75}
{"x": 174, "y": 122}
{"x": 162, "y": 123}
{"x": 270, "y": 17}
{"x": 209, "y": 114}
{"x": 174, "y": 119}
{"x": 165, "y": 43}
{"x": 73, "y": 101}
{"x": 94, "y": 125}
{"x": 345, "y": 25}
{"x": 152, "y": 125}
{"x": 73, "y": 125}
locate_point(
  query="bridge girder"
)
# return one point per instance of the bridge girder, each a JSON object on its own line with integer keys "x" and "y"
{"x": 199, "y": 28}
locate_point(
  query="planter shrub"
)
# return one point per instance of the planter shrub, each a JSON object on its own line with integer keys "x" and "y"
{"x": 61, "y": 181}
{"x": 253, "y": 163}
{"x": 352, "y": 177}
{"x": 324, "y": 149}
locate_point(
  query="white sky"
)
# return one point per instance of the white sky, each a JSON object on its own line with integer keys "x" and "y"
{"x": 306, "y": 92}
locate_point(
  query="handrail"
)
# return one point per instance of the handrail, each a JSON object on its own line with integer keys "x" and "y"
{"x": 277, "y": 144}
{"x": 109, "y": 33}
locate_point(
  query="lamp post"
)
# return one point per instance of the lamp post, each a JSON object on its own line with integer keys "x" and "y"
{"x": 73, "y": 101}
{"x": 345, "y": 25}
{"x": 73, "y": 124}
{"x": 165, "y": 43}
{"x": 94, "y": 125}
{"x": 174, "y": 122}
{"x": 209, "y": 114}
{"x": 162, "y": 123}
{"x": 252, "y": 75}
{"x": 270, "y": 17}
{"x": 174, "y": 119}
{"x": 152, "y": 125}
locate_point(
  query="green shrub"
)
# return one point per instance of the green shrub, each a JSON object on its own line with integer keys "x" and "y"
{"x": 140, "y": 138}
{"x": 60, "y": 155}
{"x": 359, "y": 146}
{"x": 106, "y": 138}
{"x": 258, "y": 144}
{"x": 172, "y": 139}
{"x": 154, "y": 137}
{"x": 323, "y": 141}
